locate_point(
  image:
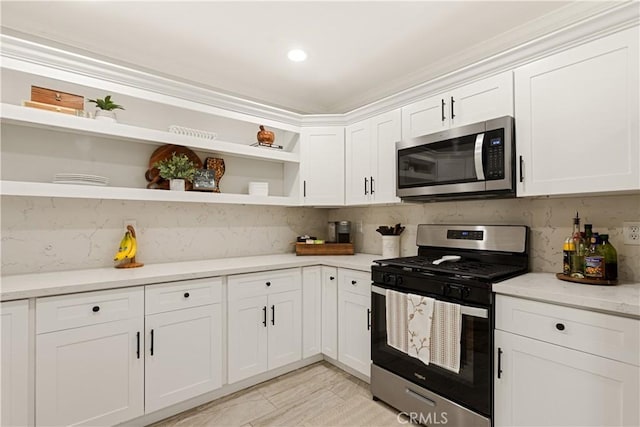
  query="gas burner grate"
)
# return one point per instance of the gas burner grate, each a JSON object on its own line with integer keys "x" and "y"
{"x": 464, "y": 267}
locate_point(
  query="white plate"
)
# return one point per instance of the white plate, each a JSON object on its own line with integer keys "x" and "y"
{"x": 101, "y": 184}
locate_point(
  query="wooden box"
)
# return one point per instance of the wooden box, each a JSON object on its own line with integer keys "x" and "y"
{"x": 50, "y": 107}
{"x": 57, "y": 98}
{"x": 325, "y": 249}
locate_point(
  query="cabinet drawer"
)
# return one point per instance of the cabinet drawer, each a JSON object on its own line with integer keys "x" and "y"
{"x": 358, "y": 282}
{"x": 263, "y": 283}
{"x": 90, "y": 308}
{"x": 184, "y": 294}
{"x": 601, "y": 334}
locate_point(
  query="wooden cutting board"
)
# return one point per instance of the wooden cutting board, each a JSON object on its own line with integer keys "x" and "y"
{"x": 325, "y": 249}
{"x": 165, "y": 152}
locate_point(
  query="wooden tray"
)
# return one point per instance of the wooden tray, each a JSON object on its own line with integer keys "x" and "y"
{"x": 586, "y": 281}
{"x": 324, "y": 249}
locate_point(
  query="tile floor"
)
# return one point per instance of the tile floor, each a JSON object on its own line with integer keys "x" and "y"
{"x": 319, "y": 395}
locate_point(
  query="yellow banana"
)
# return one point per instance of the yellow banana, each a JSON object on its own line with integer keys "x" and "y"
{"x": 125, "y": 247}
{"x": 134, "y": 248}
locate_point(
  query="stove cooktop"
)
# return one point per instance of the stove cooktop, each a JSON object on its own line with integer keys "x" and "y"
{"x": 471, "y": 268}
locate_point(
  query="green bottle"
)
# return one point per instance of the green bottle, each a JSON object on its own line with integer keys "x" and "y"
{"x": 610, "y": 258}
{"x": 594, "y": 259}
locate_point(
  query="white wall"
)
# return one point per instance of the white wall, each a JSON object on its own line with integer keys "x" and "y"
{"x": 50, "y": 234}
{"x": 549, "y": 220}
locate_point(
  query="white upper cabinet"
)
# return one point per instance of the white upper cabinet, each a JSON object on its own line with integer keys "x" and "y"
{"x": 370, "y": 159}
{"x": 322, "y": 168}
{"x": 577, "y": 119}
{"x": 481, "y": 100}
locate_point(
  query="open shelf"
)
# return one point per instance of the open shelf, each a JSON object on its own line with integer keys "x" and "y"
{"x": 43, "y": 189}
{"x": 31, "y": 117}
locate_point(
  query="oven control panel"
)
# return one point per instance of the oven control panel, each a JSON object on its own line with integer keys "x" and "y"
{"x": 465, "y": 234}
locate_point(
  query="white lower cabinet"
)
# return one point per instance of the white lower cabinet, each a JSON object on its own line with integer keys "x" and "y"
{"x": 92, "y": 372}
{"x": 264, "y": 322}
{"x": 15, "y": 358}
{"x": 330, "y": 312}
{"x": 354, "y": 320}
{"x": 311, "y": 311}
{"x": 550, "y": 382}
{"x": 183, "y": 354}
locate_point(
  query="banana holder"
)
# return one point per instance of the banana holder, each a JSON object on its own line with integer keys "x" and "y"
{"x": 130, "y": 262}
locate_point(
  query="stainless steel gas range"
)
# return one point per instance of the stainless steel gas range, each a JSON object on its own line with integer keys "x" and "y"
{"x": 456, "y": 264}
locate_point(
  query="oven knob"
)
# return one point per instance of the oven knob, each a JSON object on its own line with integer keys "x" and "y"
{"x": 400, "y": 280}
{"x": 446, "y": 289}
{"x": 386, "y": 278}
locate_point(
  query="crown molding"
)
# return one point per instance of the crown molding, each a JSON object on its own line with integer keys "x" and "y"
{"x": 579, "y": 23}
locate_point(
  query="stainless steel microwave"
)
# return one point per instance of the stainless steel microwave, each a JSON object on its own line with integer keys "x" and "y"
{"x": 468, "y": 162}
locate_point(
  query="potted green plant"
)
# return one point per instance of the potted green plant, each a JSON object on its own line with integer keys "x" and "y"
{"x": 177, "y": 169}
{"x": 105, "y": 108}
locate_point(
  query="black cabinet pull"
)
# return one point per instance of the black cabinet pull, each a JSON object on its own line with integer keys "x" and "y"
{"x": 442, "y": 109}
{"x": 151, "y": 349}
{"x": 560, "y": 326}
{"x": 96, "y": 308}
{"x": 366, "y": 181}
{"x": 186, "y": 294}
{"x": 353, "y": 282}
{"x": 332, "y": 278}
{"x": 273, "y": 314}
{"x": 521, "y": 166}
{"x": 372, "y": 189}
{"x": 368, "y": 319}
{"x": 268, "y": 283}
{"x": 264, "y": 316}
{"x": 499, "y": 362}
{"x": 304, "y": 188}
{"x": 452, "y": 101}
{"x": 138, "y": 344}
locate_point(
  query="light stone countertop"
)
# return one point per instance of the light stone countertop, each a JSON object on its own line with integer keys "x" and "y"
{"x": 65, "y": 282}
{"x": 622, "y": 299}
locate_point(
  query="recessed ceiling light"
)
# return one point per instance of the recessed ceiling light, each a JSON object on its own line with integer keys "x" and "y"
{"x": 297, "y": 55}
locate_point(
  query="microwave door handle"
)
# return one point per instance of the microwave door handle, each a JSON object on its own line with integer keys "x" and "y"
{"x": 477, "y": 156}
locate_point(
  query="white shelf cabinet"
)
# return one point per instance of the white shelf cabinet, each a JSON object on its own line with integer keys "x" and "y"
{"x": 577, "y": 119}
{"x": 264, "y": 322}
{"x": 14, "y": 373}
{"x": 108, "y": 142}
{"x": 481, "y": 100}
{"x": 354, "y": 320}
{"x": 370, "y": 159}
{"x": 183, "y": 326}
{"x": 322, "y": 169}
{"x": 561, "y": 366}
{"x": 89, "y": 366}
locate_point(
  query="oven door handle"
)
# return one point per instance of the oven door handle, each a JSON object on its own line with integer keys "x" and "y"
{"x": 465, "y": 310}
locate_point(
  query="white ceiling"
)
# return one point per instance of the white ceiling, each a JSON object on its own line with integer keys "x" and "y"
{"x": 358, "y": 52}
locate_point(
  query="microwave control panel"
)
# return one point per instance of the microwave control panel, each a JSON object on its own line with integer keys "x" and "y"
{"x": 494, "y": 168}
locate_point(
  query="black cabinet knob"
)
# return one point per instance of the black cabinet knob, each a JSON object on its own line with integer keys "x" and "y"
{"x": 332, "y": 278}
{"x": 560, "y": 326}
{"x": 96, "y": 308}
{"x": 186, "y": 294}
{"x": 268, "y": 283}
{"x": 353, "y": 282}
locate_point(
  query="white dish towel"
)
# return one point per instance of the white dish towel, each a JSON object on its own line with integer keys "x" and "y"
{"x": 396, "y": 311}
{"x": 445, "y": 336}
{"x": 419, "y": 318}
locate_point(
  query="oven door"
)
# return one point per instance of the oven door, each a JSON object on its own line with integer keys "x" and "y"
{"x": 471, "y": 387}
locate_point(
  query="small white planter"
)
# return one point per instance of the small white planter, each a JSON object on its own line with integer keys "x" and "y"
{"x": 106, "y": 115}
{"x": 177, "y": 185}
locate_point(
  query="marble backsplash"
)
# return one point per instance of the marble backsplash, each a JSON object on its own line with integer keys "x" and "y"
{"x": 548, "y": 218}
{"x": 51, "y": 234}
